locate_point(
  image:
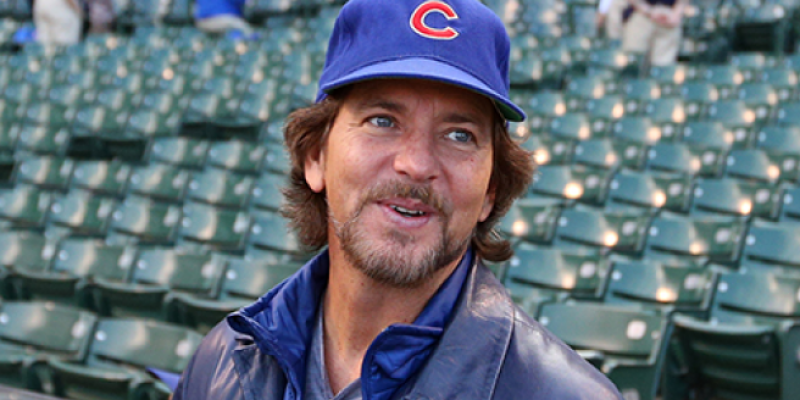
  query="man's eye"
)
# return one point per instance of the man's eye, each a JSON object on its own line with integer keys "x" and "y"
{"x": 460, "y": 136}
{"x": 382, "y": 122}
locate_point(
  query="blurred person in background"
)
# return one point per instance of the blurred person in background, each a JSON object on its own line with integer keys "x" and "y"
{"x": 654, "y": 26}
{"x": 58, "y": 22}
{"x": 220, "y": 16}
{"x": 101, "y": 15}
{"x": 609, "y": 17}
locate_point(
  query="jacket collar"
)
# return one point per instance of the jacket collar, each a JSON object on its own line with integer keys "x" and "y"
{"x": 282, "y": 321}
{"x": 467, "y": 361}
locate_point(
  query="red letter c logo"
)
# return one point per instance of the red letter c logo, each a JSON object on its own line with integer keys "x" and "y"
{"x": 418, "y": 24}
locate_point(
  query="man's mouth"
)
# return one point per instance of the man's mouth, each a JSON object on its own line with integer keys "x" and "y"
{"x": 406, "y": 212}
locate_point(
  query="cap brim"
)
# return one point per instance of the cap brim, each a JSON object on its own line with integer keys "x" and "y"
{"x": 422, "y": 68}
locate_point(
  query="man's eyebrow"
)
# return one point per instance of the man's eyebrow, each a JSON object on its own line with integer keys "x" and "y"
{"x": 462, "y": 118}
{"x": 380, "y": 103}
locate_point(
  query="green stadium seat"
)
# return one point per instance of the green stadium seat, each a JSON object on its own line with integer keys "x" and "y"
{"x": 687, "y": 289}
{"x": 245, "y": 281}
{"x": 25, "y": 250}
{"x": 779, "y": 139}
{"x": 98, "y": 120}
{"x": 637, "y": 129}
{"x": 42, "y": 113}
{"x": 762, "y": 166}
{"x": 144, "y": 221}
{"x": 571, "y": 126}
{"x": 639, "y": 92}
{"x": 45, "y": 172}
{"x": 25, "y": 206}
{"x": 748, "y": 346}
{"x": 790, "y": 206}
{"x": 118, "y": 355}
{"x": 726, "y": 78}
{"x": 156, "y": 272}
{"x": 610, "y": 154}
{"x": 20, "y": 93}
{"x": 669, "y": 78}
{"x": 736, "y": 116}
{"x": 696, "y": 98}
{"x": 687, "y": 159}
{"x": 650, "y": 191}
{"x": 735, "y": 197}
{"x": 581, "y": 89}
{"x": 543, "y": 107}
{"x": 277, "y": 159}
{"x": 750, "y": 64}
{"x": 549, "y": 149}
{"x": 65, "y": 95}
{"x": 668, "y": 115}
{"x": 774, "y": 244}
{"x": 270, "y": 233}
{"x": 213, "y": 228}
{"x": 761, "y": 98}
{"x": 787, "y": 114}
{"x": 103, "y": 177}
{"x": 243, "y": 157}
{"x": 32, "y": 332}
{"x": 603, "y": 112}
{"x": 539, "y": 275}
{"x": 782, "y": 79}
{"x": 43, "y": 139}
{"x": 622, "y": 231}
{"x": 161, "y": 182}
{"x": 9, "y": 134}
{"x": 531, "y": 219}
{"x": 266, "y": 193}
{"x": 709, "y": 134}
{"x": 692, "y": 239}
{"x": 528, "y": 69}
{"x": 182, "y": 152}
{"x": 589, "y": 185}
{"x": 626, "y": 343}
{"x": 220, "y": 188}
{"x": 615, "y": 60}
{"x": 81, "y": 213}
{"x": 70, "y": 280}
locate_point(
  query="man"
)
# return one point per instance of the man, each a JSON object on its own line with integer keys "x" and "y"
{"x": 58, "y": 22}
{"x": 220, "y": 16}
{"x": 654, "y": 26}
{"x": 402, "y": 168}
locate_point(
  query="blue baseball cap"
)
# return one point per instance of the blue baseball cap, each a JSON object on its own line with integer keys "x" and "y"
{"x": 459, "y": 42}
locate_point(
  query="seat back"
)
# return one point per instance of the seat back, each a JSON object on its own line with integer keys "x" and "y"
{"x": 141, "y": 343}
{"x": 47, "y": 326}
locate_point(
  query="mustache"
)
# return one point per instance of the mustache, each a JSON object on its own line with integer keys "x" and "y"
{"x": 398, "y": 189}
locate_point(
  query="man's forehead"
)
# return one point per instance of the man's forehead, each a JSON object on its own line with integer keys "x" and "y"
{"x": 403, "y": 95}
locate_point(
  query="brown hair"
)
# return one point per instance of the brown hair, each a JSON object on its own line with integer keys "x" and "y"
{"x": 305, "y": 133}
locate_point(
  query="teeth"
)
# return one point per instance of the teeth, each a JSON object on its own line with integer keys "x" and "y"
{"x": 405, "y": 211}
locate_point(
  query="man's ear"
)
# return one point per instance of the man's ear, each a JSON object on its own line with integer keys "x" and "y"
{"x": 488, "y": 204}
{"x": 314, "y": 169}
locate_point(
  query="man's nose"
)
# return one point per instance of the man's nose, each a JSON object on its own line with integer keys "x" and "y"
{"x": 416, "y": 158}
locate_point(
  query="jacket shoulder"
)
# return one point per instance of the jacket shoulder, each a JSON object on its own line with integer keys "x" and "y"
{"x": 211, "y": 374}
{"x": 541, "y": 366}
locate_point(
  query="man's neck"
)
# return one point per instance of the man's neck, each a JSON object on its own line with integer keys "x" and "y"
{"x": 357, "y": 309}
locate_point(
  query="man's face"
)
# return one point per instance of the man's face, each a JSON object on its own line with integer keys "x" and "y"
{"x": 406, "y": 169}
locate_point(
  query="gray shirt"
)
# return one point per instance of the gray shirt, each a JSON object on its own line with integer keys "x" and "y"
{"x": 317, "y": 385}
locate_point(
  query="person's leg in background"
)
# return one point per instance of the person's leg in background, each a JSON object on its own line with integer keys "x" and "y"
{"x": 666, "y": 43}
{"x": 638, "y": 33}
{"x": 613, "y": 21}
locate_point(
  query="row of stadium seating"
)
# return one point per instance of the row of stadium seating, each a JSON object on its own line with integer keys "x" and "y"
{"x": 141, "y": 182}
